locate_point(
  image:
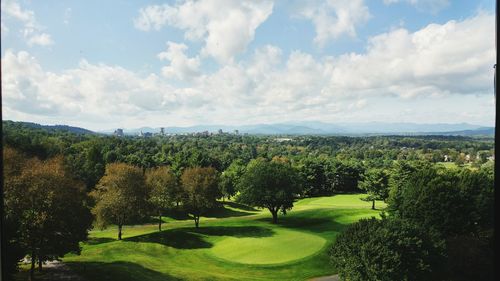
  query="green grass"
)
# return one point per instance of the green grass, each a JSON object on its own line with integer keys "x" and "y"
{"x": 235, "y": 243}
{"x": 270, "y": 249}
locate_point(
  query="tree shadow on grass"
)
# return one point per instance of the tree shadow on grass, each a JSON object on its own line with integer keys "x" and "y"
{"x": 175, "y": 238}
{"x": 309, "y": 220}
{"x": 123, "y": 271}
{"x": 96, "y": 241}
{"x": 240, "y": 206}
{"x": 192, "y": 238}
{"x": 223, "y": 212}
{"x": 234, "y": 231}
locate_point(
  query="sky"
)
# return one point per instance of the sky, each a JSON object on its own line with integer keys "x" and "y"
{"x": 115, "y": 63}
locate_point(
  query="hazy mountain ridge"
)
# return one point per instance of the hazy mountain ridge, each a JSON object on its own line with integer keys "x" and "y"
{"x": 66, "y": 128}
{"x": 321, "y": 128}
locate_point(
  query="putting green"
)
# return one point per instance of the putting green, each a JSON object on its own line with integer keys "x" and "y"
{"x": 283, "y": 246}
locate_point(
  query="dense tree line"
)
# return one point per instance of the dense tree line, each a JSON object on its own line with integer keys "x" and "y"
{"x": 126, "y": 180}
{"x": 438, "y": 226}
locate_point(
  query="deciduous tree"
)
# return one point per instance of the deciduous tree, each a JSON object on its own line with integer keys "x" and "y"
{"x": 200, "y": 186}
{"x": 163, "y": 189}
{"x": 271, "y": 185}
{"x": 50, "y": 207}
{"x": 120, "y": 196}
{"x": 375, "y": 182}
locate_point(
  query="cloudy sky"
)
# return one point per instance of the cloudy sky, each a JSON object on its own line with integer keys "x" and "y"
{"x": 107, "y": 64}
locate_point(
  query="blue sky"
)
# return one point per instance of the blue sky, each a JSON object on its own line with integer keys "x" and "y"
{"x": 107, "y": 64}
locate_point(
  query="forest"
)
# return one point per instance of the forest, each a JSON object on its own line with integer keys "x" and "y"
{"x": 433, "y": 195}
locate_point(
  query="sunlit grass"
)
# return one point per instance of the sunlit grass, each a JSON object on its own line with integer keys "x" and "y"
{"x": 239, "y": 243}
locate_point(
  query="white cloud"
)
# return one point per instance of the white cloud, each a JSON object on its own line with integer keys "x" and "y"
{"x": 453, "y": 58}
{"x": 32, "y": 30}
{"x": 181, "y": 67}
{"x": 432, "y": 6}
{"x": 439, "y": 62}
{"x": 42, "y": 39}
{"x": 226, "y": 27}
{"x": 333, "y": 18}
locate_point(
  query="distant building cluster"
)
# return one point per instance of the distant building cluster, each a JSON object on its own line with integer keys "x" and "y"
{"x": 119, "y": 133}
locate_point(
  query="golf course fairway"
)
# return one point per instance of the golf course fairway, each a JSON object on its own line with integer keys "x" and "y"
{"x": 283, "y": 246}
{"x": 236, "y": 243}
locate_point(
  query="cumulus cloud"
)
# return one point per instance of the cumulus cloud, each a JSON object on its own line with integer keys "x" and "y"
{"x": 226, "y": 27}
{"x": 333, "y": 18}
{"x": 32, "y": 31}
{"x": 181, "y": 67}
{"x": 452, "y": 58}
{"x": 440, "y": 61}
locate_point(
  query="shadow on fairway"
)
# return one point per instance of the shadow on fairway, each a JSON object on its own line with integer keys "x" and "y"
{"x": 308, "y": 220}
{"x": 234, "y": 231}
{"x": 191, "y": 238}
{"x": 222, "y": 212}
{"x": 173, "y": 238}
{"x": 240, "y": 206}
{"x": 123, "y": 271}
{"x": 96, "y": 241}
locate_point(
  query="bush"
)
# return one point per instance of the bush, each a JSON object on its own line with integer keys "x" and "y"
{"x": 387, "y": 249}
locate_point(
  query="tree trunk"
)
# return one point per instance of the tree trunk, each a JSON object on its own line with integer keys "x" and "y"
{"x": 196, "y": 221}
{"x": 40, "y": 263}
{"x": 32, "y": 269}
{"x": 275, "y": 215}
{"x": 159, "y": 222}
{"x": 373, "y": 204}
{"x": 119, "y": 232}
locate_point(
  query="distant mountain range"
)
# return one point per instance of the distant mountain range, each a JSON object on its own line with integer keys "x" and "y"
{"x": 321, "y": 128}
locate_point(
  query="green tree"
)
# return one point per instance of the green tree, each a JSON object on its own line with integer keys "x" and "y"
{"x": 375, "y": 182}
{"x": 271, "y": 185}
{"x": 387, "y": 250}
{"x": 345, "y": 176}
{"x": 200, "y": 190}
{"x": 13, "y": 164}
{"x": 163, "y": 190}
{"x": 120, "y": 196}
{"x": 230, "y": 178}
{"x": 50, "y": 207}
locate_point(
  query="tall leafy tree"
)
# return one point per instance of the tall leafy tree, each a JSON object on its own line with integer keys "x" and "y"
{"x": 163, "y": 189}
{"x": 270, "y": 185}
{"x": 120, "y": 196}
{"x": 375, "y": 182}
{"x": 50, "y": 207}
{"x": 346, "y": 175}
{"x": 200, "y": 190}
{"x": 230, "y": 178}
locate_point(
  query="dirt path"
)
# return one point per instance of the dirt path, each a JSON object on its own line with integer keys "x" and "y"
{"x": 326, "y": 278}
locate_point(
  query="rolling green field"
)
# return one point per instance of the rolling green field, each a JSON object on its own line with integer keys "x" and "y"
{"x": 234, "y": 243}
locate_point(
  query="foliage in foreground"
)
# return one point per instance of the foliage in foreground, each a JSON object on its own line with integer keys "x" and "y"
{"x": 41, "y": 204}
{"x": 387, "y": 250}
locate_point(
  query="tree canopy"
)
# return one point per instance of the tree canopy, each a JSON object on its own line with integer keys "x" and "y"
{"x": 121, "y": 196}
{"x": 200, "y": 187}
{"x": 271, "y": 185}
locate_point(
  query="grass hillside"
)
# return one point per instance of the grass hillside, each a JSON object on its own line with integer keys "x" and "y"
{"x": 235, "y": 243}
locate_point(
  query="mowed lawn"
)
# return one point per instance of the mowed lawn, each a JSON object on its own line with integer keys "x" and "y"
{"x": 234, "y": 243}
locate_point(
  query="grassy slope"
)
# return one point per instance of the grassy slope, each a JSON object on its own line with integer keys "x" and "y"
{"x": 235, "y": 244}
